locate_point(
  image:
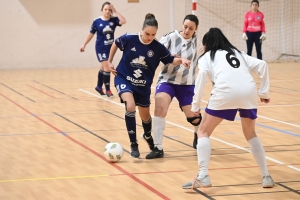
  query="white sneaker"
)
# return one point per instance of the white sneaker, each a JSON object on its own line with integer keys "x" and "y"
{"x": 204, "y": 182}
{"x": 267, "y": 182}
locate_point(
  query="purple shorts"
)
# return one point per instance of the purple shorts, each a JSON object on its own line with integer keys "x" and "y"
{"x": 183, "y": 93}
{"x": 229, "y": 114}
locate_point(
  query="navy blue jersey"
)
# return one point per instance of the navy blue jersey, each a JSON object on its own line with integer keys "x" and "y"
{"x": 105, "y": 32}
{"x": 139, "y": 61}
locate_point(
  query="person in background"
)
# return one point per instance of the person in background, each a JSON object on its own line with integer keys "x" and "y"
{"x": 254, "y": 30}
{"x": 104, "y": 26}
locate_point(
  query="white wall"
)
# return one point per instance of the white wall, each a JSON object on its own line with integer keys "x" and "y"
{"x": 49, "y": 33}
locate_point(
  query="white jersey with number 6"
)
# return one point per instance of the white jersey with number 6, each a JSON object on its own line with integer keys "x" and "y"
{"x": 233, "y": 84}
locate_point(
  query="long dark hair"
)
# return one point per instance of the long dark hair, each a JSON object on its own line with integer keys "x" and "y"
{"x": 215, "y": 40}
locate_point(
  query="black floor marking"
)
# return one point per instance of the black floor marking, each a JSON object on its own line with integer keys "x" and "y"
{"x": 54, "y": 89}
{"x": 203, "y": 194}
{"x": 18, "y": 92}
{"x": 247, "y": 184}
{"x": 171, "y": 138}
{"x": 198, "y": 191}
{"x": 250, "y": 193}
{"x": 288, "y": 188}
{"x": 142, "y": 126}
{"x": 94, "y": 134}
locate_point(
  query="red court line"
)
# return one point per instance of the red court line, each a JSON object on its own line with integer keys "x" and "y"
{"x": 92, "y": 151}
{"x": 41, "y": 91}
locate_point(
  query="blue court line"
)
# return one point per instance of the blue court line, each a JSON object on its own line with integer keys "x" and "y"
{"x": 269, "y": 127}
{"x": 274, "y": 129}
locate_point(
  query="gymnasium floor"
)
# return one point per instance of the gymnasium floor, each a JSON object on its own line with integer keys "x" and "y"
{"x": 54, "y": 127}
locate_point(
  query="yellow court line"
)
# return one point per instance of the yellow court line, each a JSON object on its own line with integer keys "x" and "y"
{"x": 54, "y": 178}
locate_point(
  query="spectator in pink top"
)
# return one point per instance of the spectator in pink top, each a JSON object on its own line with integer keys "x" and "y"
{"x": 254, "y": 30}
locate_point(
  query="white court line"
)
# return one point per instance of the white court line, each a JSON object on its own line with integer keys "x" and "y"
{"x": 275, "y": 120}
{"x": 279, "y": 106}
{"x": 284, "y": 80}
{"x": 295, "y": 168}
{"x": 182, "y": 127}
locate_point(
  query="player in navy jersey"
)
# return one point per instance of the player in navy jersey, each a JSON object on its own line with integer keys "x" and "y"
{"x": 105, "y": 27}
{"x": 176, "y": 81}
{"x": 134, "y": 75}
{"x": 234, "y": 90}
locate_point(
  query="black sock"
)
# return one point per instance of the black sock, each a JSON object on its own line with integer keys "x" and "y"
{"x": 106, "y": 80}
{"x": 131, "y": 125}
{"x": 100, "y": 79}
{"x": 147, "y": 127}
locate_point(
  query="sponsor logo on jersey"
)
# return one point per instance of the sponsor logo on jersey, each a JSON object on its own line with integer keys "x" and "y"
{"x": 107, "y": 29}
{"x": 136, "y": 82}
{"x": 108, "y": 42}
{"x": 137, "y": 73}
{"x": 133, "y": 49}
{"x": 108, "y": 36}
{"x": 139, "y": 62}
{"x": 150, "y": 53}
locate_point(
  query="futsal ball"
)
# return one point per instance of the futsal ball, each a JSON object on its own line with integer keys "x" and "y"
{"x": 113, "y": 152}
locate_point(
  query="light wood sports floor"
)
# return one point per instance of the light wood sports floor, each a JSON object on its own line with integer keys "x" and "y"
{"x": 54, "y": 127}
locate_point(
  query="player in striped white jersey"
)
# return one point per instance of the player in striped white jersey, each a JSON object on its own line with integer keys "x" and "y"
{"x": 234, "y": 89}
{"x": 176, "y": 81}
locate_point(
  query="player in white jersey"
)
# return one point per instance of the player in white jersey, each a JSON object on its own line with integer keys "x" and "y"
{"x": 176, "y": 81}
{"x": 105, "y": 27}
{"x": 134, "y": 75}
{"x": 234, "y": 89}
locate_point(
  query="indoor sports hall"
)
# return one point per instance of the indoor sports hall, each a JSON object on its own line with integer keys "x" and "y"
{"x": 54, "y": 126}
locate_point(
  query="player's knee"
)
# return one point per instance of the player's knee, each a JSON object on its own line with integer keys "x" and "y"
{"x": 196, "y": 120}
{"x": 129, "y": 106}
{"x": 160, "y": 111}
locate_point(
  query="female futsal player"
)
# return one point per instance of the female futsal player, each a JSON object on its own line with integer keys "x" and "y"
{"x": 135, "y": 73}
{"x": 254, "y": 30}
{"x": 105, "y": 26}
{"x": 234, "y": 90}
{"x": 176, "y": 81}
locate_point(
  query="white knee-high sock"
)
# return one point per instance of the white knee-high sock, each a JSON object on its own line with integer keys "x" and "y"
{"x": 259, "y": 155}
{"x": 203, "y": 152}
{"x": 159, "y": 125}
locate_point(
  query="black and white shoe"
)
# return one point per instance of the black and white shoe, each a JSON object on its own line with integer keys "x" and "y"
{"x": 149, "y": 141}
{"x": 156, "y": 153}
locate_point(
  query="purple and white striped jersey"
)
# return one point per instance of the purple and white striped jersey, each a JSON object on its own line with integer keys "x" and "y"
{"x": 179, "y": 74}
